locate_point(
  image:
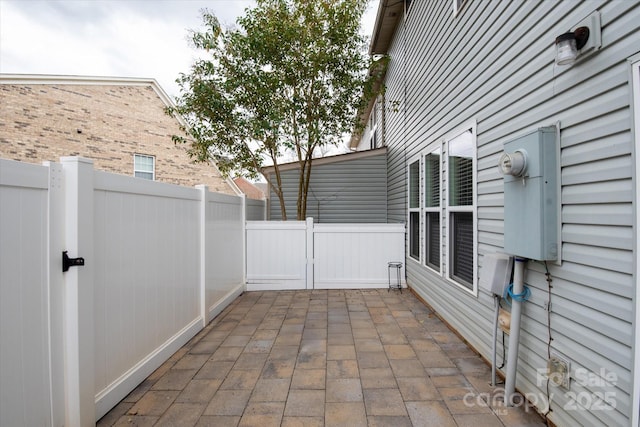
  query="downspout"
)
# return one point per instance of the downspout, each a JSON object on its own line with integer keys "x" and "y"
{"x": 404, "y": 116}
{"x": 514, "y": 337}
{"x": 383, "y": 120}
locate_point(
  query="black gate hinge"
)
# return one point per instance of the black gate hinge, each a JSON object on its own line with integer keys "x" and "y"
{"x": 70, "y": 262}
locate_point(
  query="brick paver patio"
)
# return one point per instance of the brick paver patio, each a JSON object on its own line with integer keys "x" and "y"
{"x": 321, "y": 358}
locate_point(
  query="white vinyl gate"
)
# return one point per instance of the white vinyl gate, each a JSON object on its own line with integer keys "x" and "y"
{"x": 276, "y": 255}
{"x": 161, "y": 262}
{"x": 303, "y": 255}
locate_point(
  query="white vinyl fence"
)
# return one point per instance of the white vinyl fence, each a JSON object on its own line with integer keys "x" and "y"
{"x": 276, "y": 255}
{"x": 347, "y": 256}
{"x": 31, "y": 364}
{"x": 160, "y": 262}
{"x": 304, "y": 255}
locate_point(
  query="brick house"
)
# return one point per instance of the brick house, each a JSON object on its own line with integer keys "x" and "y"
{"x": 119, "y": 123}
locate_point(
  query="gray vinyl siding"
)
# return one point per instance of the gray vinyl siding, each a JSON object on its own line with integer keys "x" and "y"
{"x": 351, "y": 190}
{"x": 473, "y": 67}
{"x": 394, "y": 129}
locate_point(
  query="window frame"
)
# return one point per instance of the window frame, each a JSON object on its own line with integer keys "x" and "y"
{"x": 373, "y": 127}
{"x": 136, "y": 169}
{"x": 431, "y": 149}
{"x": 445, "y": 212}
{"x": 635, "y": 83}
{"x": 449, "y": 210}
{"x": 414, "y": 210}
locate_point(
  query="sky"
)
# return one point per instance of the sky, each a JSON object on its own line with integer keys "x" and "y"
{"x": 111, "y": 38}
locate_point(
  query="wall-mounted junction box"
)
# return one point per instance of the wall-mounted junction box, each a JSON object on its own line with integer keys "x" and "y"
{"x": 495, "y": 273}
{"x": 531, "y": 187}
{"x": 504, "y": 321}
{"x": 559, "y": 371}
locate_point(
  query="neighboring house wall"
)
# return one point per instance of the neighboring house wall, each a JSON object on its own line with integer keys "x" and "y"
{"x": 107, "y": 120}
{"x": 491, "y": 69}
{"x": 345, "y": 188}
{"x": 249, "y": 189}
{"x": 255, "y": 199}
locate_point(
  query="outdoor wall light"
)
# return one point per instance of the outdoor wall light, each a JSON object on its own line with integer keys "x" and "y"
{"x": 586, "y": 37}
{"x": 568, "y": 45}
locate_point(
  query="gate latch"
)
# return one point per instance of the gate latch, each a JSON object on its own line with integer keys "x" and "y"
{"x": 70, "y": 262}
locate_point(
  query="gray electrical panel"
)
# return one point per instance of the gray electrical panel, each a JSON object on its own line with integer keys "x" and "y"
{"x": 530, "y": 168}
{"x": 495, "y": 273}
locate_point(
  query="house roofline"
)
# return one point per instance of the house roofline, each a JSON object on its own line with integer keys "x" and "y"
{"x": 387, "y": 20}
{"x": 329, "y": 159}
{"x": 356, "y": 136}
{"x": 230, "y": 182}
{"x": 389, "y": 14}
{"x": 366, "y": 112}
{"x": 52, "y": 79}
{"x": 7, "y": 78}
{"x": 250, "y": 185}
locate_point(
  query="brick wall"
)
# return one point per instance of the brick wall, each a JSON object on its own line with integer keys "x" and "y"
{"x": 107, "y": 123}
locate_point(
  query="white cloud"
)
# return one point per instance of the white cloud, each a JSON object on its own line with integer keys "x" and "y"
{"x": 109, "y": 37}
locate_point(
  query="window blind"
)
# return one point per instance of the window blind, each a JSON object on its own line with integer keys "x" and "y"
{"x": 432, "y": 221}
{"x": 462, "y": 244}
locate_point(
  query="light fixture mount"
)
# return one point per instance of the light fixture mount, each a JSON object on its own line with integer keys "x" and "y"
{"x": 582, "y": 35}
{"x": 581, "y": 41}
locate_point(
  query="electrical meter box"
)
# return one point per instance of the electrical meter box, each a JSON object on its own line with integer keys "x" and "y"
{"x": 495, "y": 274}
{"x": 531, "y": 192}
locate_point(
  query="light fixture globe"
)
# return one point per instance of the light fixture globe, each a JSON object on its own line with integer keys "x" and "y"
{"x": 566, "y": 49}
{"x": 569, "y": 44}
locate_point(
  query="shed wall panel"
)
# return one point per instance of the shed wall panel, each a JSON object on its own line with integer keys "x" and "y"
{"x": 353, "y": 190}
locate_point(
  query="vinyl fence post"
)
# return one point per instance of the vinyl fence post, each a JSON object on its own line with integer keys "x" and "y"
{"x": 78, "y": 293}
{"x": 309, "y": 229}
{"x": 204, "y": 191}
{"x": 243, "y": 201}
{"x": 56, "y": 290}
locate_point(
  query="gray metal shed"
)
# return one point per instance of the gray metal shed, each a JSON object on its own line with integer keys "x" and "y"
{"x": 344, "y": 188}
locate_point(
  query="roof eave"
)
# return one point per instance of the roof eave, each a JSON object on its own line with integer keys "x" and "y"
{"x": 364, "y": 116}
{"x": 318, "y": 161}
{"x": 389, "y": 14}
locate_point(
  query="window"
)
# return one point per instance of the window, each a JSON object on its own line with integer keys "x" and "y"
{"x": 373, "y": 128}
{"x": 414, "y": 210}
{"x": 442, "y": 206}
{"x": 460, "y": 207}
{"x": 144, "y": 166}
{"x": 432, "y": 209}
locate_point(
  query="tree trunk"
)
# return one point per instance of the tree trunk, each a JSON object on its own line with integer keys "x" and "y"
{"x": 277, "y": 188}
{"x": 306, "y": 187}
{"x": 301, "y": 203}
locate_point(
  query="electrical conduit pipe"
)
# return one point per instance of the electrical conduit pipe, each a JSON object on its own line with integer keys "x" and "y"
{"x": 514, "y": 335}
{"x": 496, "y": 302}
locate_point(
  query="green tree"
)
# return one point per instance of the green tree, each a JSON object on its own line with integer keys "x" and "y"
{"x": 292, "y": 76}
